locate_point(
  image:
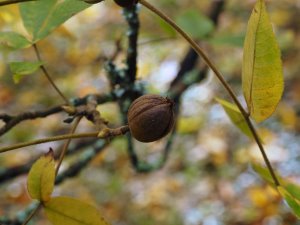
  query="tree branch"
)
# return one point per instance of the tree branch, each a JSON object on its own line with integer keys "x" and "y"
{"x": 132, "y": 19}
{"x": 43, "y": 68}
{"x": 11, "y": 121}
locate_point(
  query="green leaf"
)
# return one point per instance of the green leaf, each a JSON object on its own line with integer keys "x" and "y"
{"x": 166, "y": 27}
{"x": 289, "y": 191}
{"x": 293, "y": 189}
{"x": 13, "y": 40}
{"x": 42, "y": 17}
{"x": 41, "y": 177}
{"x": 262, "y": 77}
{"x": 265, "y": 174}
{"x": 291, "y": 200}
{"x": 70, "y": 211}
{"x": 195, "y": 24}
{"x": 21, "y": 69}
{"x": 235, "y": 116}
{"x": 235, "y": 40}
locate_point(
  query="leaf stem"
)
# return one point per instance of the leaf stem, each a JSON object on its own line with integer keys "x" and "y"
{"x": 43, "y": 68}
{"x": 32, "y": 214}
{"x": 221, "y": 79}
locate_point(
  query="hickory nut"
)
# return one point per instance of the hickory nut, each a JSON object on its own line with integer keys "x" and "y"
{"x": 126, "y": 3}
{"x": 150, "y": 117}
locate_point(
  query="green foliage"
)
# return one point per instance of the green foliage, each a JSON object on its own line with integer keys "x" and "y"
{"x": 42, "y": 17}
{"x": 235, "y": 40}
{"x": 21, "y": 69}
{"x": 195, "y": 24}
{"x": 294, "y": 203}
{"x": 262, "y": 70}
{"x": 13, "y": 40}
{"x": 235, "y": 116}
{"x": 289, "y": 191}
{"x": 264, "y": 173}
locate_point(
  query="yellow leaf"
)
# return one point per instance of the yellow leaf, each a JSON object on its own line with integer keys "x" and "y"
{"x": 41, "y": 177}
{"x": 70, "y": 211}
{"x": 235, "y": 116}
{"x": 262, "y": 76}
{"x": 188, "y": 125}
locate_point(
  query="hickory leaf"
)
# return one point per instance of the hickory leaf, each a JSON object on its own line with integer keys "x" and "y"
{"x": 41, "y": 177}
{"x": 13, "y": 40}
{"x": 235, "y": 116}
{"x": 293, "y": 202}
{"x": 262, "y": 76}
{"x": 70, "y": 211}
{"x": 21, "y": 69}
{"x": 264, "y": 173}
{"x": 42, "y": 17}
{"x": 289, "y": 191}
{"x": 195, "y": 23}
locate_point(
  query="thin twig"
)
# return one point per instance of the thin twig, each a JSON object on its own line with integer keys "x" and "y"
{"x": 221, "y": 79}
{"x": 43, "y": 68}
{"x": 83, "y": 160}
{"x": 31, "y": 215}
{"x": 11, "y": 121}
{"x": 66, "y": 145}
{"x": 110, "y": 133}
{"x": 50, "y": 139}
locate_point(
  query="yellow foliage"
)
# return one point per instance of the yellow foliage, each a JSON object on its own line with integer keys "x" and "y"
{"x": 189, "y": 124}
{"x": 70, "y": 211}
{"x": 262, "y": 77}
{"x": 40, "y": 181}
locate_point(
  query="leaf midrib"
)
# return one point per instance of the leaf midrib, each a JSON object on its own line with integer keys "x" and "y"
{"x": 253, "y": 64}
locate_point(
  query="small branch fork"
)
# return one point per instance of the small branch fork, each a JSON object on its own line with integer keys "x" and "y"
{"x": 221, "y": 79}
{"x": 11, "y": 121}
{"x": 105, "y": 134}
{"x": 62, "y": 155}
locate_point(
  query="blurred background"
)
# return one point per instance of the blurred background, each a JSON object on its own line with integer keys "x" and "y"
{"x": 208, "y": 178}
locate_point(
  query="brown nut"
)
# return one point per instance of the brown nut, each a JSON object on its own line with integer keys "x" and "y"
{"x": 150, "y": 117}
{"x": 126, "y": 3}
